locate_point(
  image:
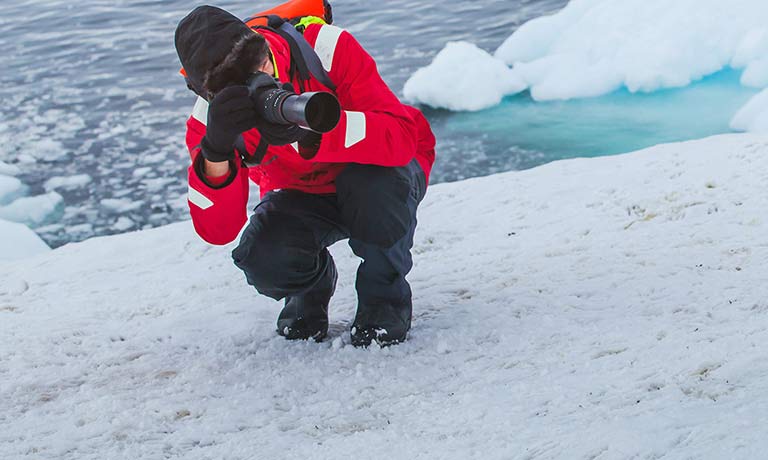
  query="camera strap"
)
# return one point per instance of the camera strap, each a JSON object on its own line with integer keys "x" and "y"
{"x": 306, "y": 59}
{"x": 248, "y": 158}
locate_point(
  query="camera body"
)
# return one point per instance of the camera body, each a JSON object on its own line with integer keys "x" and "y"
{"x": 316, "y": 111}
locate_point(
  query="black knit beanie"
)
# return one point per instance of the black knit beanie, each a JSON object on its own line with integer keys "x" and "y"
{"x": 204, "y": 38}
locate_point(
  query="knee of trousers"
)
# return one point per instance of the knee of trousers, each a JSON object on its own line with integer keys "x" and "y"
{"x": 274, "y": 259}
{"x": 377, "y": 203}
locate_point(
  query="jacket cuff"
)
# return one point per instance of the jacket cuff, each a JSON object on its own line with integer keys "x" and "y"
{"x": 214, "y": 183}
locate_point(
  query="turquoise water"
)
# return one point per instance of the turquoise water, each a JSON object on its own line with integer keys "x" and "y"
{"x": 522, "y": 133}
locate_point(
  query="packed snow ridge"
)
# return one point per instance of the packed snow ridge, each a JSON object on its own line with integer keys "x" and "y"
{"x": 594, "y": 47}
{"x": 594, "y": 308}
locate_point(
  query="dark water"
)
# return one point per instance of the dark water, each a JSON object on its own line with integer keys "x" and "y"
{"x": 92, "y": 88}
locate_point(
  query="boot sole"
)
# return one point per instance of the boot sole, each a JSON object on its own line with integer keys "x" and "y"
{"x": 368, "y": 336}
{"x": 300, "y": 334}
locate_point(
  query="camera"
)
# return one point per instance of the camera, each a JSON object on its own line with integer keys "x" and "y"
{"x": 317, "y": 111}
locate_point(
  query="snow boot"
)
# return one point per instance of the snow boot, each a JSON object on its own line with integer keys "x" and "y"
{"x": 385, "y": 324}
{"x": 306, "y": 316}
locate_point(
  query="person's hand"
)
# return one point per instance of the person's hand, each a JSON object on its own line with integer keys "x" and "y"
{"x": 230, "y": 113}
{"x": 276, "y": 134}
{"x": 310, "y": 144}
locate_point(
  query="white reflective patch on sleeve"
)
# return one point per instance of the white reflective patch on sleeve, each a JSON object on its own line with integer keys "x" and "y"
{"x": 355, "y": 128}
{"x": 199, "y": 200}
{"x": 200, "y": 111}
{"x": 325, "y": 46}
{"x": 295, "y": 145}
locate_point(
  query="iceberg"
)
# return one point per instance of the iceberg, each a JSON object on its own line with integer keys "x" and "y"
{"x": 595, "y": 47}
{"x": 754, "y": 115}
{"x": 463, "y": 77}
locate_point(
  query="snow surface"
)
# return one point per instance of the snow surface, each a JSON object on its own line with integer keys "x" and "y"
{"x": 606, "y": 308}
{"x": 17, "y": 241}
{"x": 594, "y": 47}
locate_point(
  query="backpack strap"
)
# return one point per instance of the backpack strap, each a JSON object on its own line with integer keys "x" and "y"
{"x": 307, "y": 60}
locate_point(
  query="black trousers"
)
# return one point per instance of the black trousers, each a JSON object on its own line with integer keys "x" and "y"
{"x": 283, "y": 249}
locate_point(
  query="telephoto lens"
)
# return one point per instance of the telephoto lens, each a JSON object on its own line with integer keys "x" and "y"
{"x": 316, "y": 111}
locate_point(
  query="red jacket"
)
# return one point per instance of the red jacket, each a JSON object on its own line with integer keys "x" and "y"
{"x": 375, "y": 128}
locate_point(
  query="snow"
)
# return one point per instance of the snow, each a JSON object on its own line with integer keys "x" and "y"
{"x": 756, "y": 74}
{"x": 470, "y": 77}
{"x": 750, "y": 55}
{"x": 32, "y": 210}
{"x": 595, "y": 47}
{"x": 753, "y": 116}
{"x": 603, "y": 308}
{"x": 17, "y": 241}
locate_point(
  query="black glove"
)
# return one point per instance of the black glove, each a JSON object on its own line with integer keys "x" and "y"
{"x": 309, "y": 145}
{"x": 276, "y": 134}
{"x": 230, "y": 113}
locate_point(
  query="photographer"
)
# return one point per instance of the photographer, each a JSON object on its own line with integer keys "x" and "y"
{"x": 362, "y": 180}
